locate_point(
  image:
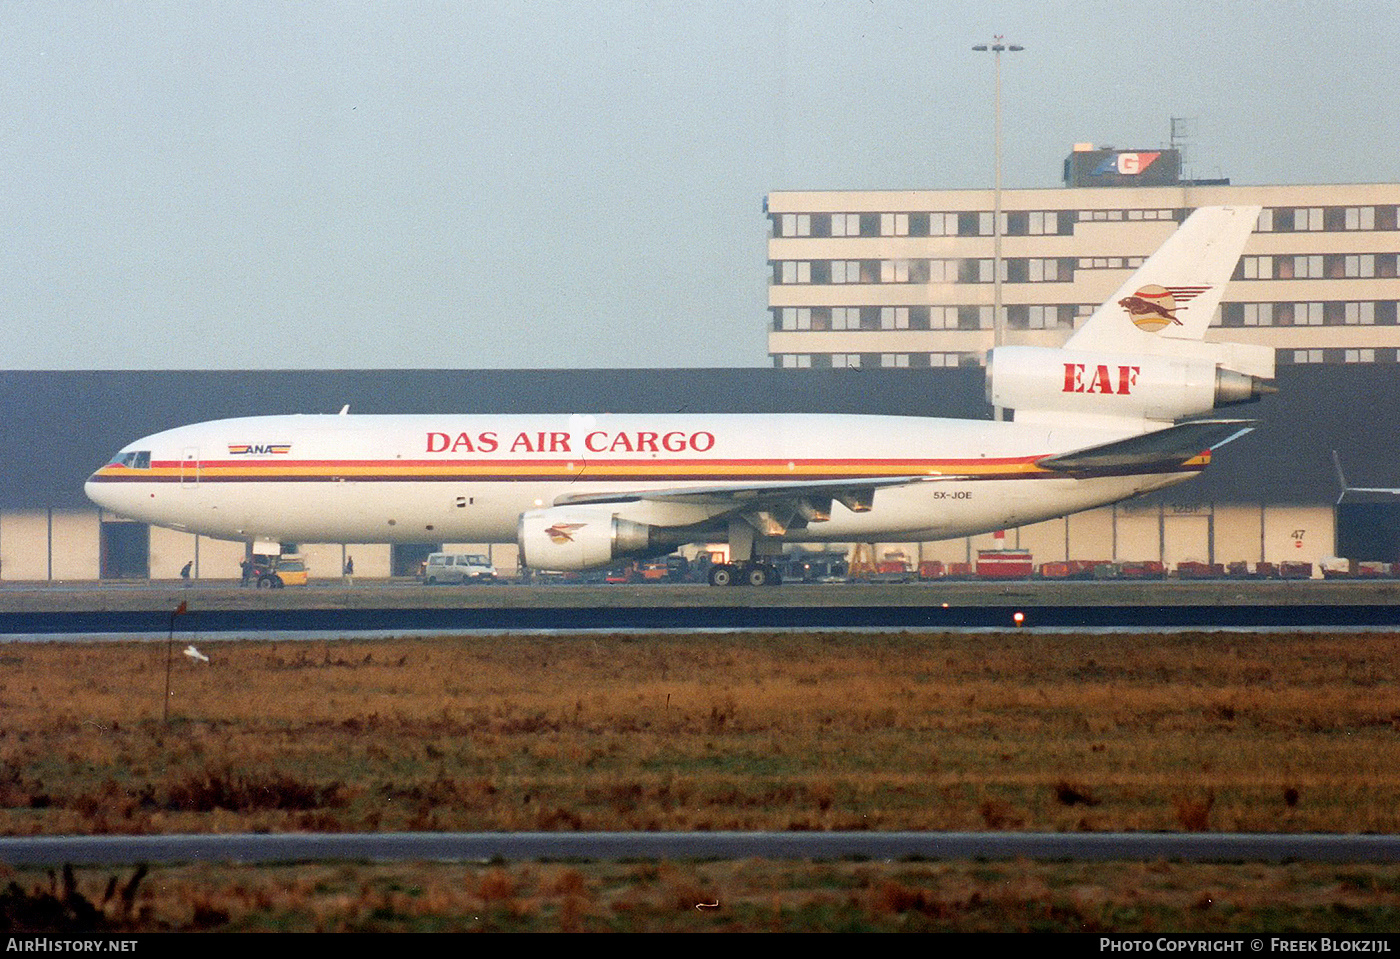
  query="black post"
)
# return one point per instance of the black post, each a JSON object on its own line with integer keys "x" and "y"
{"x": 169, "y": 653}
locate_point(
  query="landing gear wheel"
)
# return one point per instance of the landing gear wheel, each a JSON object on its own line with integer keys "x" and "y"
{"x": 722, "y": 575}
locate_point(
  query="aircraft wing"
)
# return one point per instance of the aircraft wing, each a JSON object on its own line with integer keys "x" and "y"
{"x": 1164, "y": 449}
{"x": 777, "y": 505}
{"x": 856, "y": 494}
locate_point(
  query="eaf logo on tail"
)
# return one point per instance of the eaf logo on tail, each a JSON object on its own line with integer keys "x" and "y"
{"x": 1153, "y": 308}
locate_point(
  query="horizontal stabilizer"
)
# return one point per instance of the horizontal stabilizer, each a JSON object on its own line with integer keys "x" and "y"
{"x": 1168, "y": 449}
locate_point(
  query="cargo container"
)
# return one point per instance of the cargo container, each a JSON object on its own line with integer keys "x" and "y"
{"x": 1004, "y": 564}
{"x": 1070, "y": 569}
{"x": 1148, "y": 569}
{"x": 959, "y": 571}
{"x": 931, "y": 569}
{"x": 1191, "y": 569}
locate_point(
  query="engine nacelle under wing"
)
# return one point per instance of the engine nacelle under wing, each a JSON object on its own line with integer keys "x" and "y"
{"x": 574, "y": 538}
{"x": 1114, "y": 384}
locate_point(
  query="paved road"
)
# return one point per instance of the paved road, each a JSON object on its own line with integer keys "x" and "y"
{"x": 373, "y": 594}
{"x": 82, "y": 610}
{"x": 480, "y": 847}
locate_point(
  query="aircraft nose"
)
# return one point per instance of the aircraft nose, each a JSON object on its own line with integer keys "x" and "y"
{"x": 97, "y": 491}
{"x": 101, "y": 487}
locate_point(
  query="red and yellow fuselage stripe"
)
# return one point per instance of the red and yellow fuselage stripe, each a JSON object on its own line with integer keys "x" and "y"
{"x": 592, "y": 469}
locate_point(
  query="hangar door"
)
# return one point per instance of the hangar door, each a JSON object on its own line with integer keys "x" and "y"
{"x": 406, "y": 558}
{"x": 1188, "y": 533}
{"x": 125, "y": 550}
{"x": 1369, "y": 531}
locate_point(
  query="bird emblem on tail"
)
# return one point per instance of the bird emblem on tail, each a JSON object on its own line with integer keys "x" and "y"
{"x": 1153, "y": 308}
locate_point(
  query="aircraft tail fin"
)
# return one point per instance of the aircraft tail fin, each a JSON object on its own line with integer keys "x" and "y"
{"x": 1141, "y": 360}
{"x": 1172, "y": 297}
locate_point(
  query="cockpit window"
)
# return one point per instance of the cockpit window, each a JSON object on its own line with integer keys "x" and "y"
{"x": 134, "y": 459}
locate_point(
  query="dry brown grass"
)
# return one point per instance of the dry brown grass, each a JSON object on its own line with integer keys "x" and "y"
{"x": 1012, "y": 896}
{"x": 734, "y": 731}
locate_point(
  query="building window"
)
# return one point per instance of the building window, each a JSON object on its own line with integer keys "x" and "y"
{"x": 845, "y": 271}
{"x": 794, "y": 271}
{"x": 845, "y": 318}
{"x": 894, "y": 224}
{"x": 894, "y": 317}
{"x": 845, "y": 360}
{"x": 1359, "y": 356}
{"x": 1117, "y": 216}
{"x": 894, "y": 271}
{"x": 894, "y": 360}
{"x": 1022, "y": 317}
{"x": 1307, "y": 314}
{"x": 1359, "y": 314}
{"x": 795, "y": 361}
{"x": 942, "y": 224}
{"x": 1307, "y": 356}
{"x": 943, "y": 318}
{"x": 1043, "y": 223}
{"x": 795, "y": 224}
{"x": 795, "y": 318}
{"x": 1333, "y": 219}
{"x": 943, "y": 360}
{"x": 1360, "y": 265}
{"x": 1256, "y": 268}
{"x": 1314, "y": 266}
{"x": 845, "y": 224}
{"x": 1108, "y": 262}
{"x": 1300, "y": 267}
{"x": 975, "y": 271}
{"x": 1258, "y": 314}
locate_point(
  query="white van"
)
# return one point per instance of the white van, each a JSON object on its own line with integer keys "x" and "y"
{"x": 458, "y": 568}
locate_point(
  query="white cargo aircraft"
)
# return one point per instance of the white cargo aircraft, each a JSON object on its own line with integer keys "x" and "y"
{"x": 1115, "y": 413}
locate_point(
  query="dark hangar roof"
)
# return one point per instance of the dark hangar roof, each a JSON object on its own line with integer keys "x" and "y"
{"x": 61, "y": 425}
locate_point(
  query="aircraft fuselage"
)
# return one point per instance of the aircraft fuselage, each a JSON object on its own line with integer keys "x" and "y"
{"x": 456, "y": 478}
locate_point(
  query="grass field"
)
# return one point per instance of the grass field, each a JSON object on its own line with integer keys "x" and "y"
{"x": 843, "y": 731}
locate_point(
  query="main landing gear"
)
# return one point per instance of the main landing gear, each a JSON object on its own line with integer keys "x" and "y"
{"x": 744, "y": 574}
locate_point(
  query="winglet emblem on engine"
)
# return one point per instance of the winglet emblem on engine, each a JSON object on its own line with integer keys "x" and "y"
{"x": 561, "y": 533}
{"x": 1153, "y": 308}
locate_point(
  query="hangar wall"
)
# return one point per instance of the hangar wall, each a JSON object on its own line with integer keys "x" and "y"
{"x": 65, "y": 545}
{"x": 1268, "y": 496}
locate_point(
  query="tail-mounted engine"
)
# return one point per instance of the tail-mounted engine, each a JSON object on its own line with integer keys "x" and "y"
{"x": 1113, "y": 384}
{"x": 573, "y": 538}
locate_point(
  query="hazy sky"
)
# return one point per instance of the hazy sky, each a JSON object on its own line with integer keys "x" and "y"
{"x": 577, "y": 184}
